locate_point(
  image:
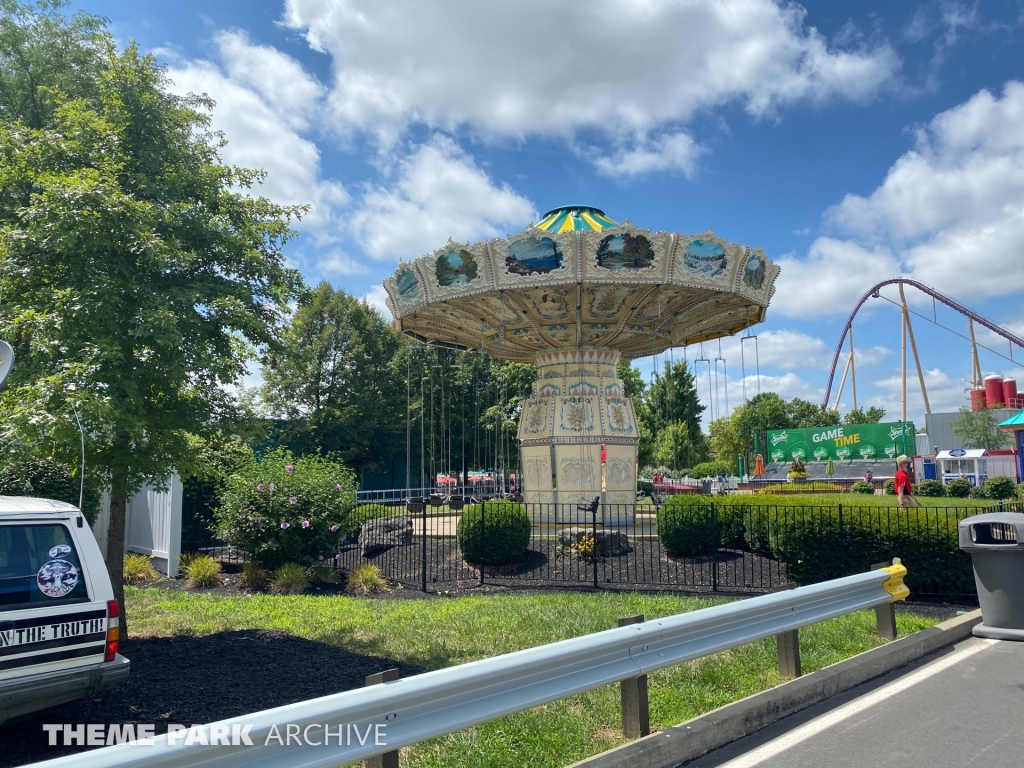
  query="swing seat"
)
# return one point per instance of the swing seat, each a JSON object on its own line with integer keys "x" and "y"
{"x": 414, "y": 505}
{"x": 436, "y": 500}
{"x": 456, "y": 503}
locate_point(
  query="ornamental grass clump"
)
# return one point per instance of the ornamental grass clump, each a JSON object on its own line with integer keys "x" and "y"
{"x": 253, "y": 576}
{"x": 323, "y": 573}
{"x": 282, "y": 509}
{"x": 289, "y": 579}
{"x": 202, "y": 572}
{"x": 138, "y": 569}
{"x": 366, "y": 580}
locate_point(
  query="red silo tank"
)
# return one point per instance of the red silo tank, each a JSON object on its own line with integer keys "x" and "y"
{"x": 993, "y": 390}
{"x": 977, "y": 399}
{"x": 1010, "y": 393}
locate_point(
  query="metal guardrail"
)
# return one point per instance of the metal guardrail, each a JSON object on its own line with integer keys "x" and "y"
{"x": 443, "y": 701}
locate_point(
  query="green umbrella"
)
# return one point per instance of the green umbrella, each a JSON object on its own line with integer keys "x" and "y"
{"x": 830, "y": 467}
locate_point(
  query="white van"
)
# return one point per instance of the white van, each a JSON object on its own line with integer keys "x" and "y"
{"x": 58, "y": 615}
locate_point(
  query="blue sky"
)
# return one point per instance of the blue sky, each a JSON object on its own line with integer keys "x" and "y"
{"x": 854, "y": 141}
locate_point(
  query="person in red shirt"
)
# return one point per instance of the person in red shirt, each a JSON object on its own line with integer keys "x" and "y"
{"x": 907, "y": 499}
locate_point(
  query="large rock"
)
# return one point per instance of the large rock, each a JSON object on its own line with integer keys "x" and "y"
{"x": 383, "y": 533}
{"x": 609, "y": 542}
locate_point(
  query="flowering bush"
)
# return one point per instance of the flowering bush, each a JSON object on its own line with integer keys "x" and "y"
{"x": 284, "y": 509}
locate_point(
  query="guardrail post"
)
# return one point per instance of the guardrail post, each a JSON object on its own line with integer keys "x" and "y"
{"x": 787, "y": 645}
{"x": 388, "y": 759}
{"x": 636, "y": 717}
{"x": 885, "y": 615}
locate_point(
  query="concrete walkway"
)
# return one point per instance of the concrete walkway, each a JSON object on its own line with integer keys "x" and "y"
{"x": 964, "y": 707}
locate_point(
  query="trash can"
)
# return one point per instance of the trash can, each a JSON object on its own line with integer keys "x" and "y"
{"x": 996, "y": 544}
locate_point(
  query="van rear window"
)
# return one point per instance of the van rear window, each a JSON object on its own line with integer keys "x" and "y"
{"x": 39, "y": 566}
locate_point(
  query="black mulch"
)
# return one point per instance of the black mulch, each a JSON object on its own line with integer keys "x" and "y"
{"x": 190, "y": 680}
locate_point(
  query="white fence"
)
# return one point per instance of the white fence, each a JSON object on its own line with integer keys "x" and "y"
{"x": 152, "y": 525}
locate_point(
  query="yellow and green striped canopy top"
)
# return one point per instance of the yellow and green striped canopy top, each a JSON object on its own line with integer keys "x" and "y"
{"x": 569, "y": 218}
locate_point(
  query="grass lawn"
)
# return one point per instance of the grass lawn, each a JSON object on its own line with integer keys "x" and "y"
{"x": 442, "y": 632}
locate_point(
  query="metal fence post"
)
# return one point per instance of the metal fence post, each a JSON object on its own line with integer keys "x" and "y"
{"x": 714, "y": 551}
{"x": 787, "y": 645}
{"x": 423, "y": 546}
{"x": 842, "y": 544}
{"x": 636, "y": 718}
{"x": 596, "y": 551}
{"x": 483, "y": 534}
{"x": 885, "y": 615}
{"x": 388, "y": 759}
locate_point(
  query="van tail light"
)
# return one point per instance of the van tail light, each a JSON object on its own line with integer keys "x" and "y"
{"x": 113, "y": 630}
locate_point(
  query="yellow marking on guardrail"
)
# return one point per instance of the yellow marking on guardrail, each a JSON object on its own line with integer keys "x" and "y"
{"x": 894, "y": 584}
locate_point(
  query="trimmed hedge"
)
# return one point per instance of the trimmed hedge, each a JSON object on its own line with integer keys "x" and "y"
{"x": 493, "y": 533}
{"x": 863, "y": 486}
{"x": 930, "y": 488}
{"x": 685, "y": 527}
{"x": 1000, "y": 487}
{"x": 958, "y": 489}
{"x": 816, "y": 543}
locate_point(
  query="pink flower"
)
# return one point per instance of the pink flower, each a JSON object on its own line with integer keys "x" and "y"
{"x": 292, "y": 500}
{"x": 334, "y": 528}
{"x": 271, "y": 487}
{"x": 259, "y": 487}
{"x": 290, "y": 468}
{"x": 305, "y": 523}
{"x": 337, "y": 487}
{"x": 286, "y": 525}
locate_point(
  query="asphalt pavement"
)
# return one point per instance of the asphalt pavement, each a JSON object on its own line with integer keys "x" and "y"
{"x": 963, "y": 706}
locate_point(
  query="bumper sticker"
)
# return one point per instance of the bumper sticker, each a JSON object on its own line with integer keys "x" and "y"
{"x": 56, "y": 578}
{"x": 59, "y": 551}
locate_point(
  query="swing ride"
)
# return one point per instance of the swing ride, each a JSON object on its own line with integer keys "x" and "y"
{"x": 574, "y": 295}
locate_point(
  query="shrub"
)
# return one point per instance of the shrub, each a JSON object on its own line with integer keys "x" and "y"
{"x": 685, "y": 526}
{"x": 281, "y": 509}
{"x": 138, "y": 569}
{"x": 1000, "y": 487}
{"x": 323, "y": 573}
{"x": 366, "y": 579}
{"x": 977, "y": 492}
{"x": 252, "y": 576}
{"x": 929, "y": 488}
{"x": 712, "y": 469}
{"x": 202, "y": 571}
{"x": 863, "y": 486}
{"x": 494, "y": 533}
{"x": 289, "y": 579}
{"x": 958, "y": 488}
{"x": 890, "y": 487}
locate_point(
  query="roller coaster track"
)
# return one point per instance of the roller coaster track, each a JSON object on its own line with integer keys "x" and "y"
{"x": 998, "y": 330}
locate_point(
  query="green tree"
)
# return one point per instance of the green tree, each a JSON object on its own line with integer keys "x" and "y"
{"x": 334, "y": 380}
{"x": 728, "y": 443}
{"x": 803, "y": 414}
{"x": 673, "y": 448}
{"x": 672, "y": 399}
{"x": 872, "y": 415}
{"x": 138, "y": 272}
{"x": 979, "y": 429}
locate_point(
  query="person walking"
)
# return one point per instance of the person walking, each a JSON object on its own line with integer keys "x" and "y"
{"x": 907, "y": 499}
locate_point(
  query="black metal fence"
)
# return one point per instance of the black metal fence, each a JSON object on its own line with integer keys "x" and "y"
{"x": 705, "y": 546}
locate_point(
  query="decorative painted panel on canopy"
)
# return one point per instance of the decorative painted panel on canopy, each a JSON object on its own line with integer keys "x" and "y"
{"x": 579, "y": 279}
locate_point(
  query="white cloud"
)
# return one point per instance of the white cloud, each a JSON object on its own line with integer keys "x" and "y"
{"x": 789, "y": 350}
{"x": 263, "y": 99}
{"x": 946, "y": 394}
{"x": 624, "y": 67}
{"x": 440, "y": 193}
{"x": 376, "y": 298}
{"x": 669, "y": 152}
{"x": 339, "y": 263}
{"x": 834, "y": 274}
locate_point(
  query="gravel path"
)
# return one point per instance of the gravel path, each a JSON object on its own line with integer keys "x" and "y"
{"x": 190, "y": 680}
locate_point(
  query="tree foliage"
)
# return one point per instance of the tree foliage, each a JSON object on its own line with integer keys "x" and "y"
{"x": 979, "y": 429}
{"x": 669, "y": 411}
{"x": 872, "y": 415}
{"x": 139, "y": 273}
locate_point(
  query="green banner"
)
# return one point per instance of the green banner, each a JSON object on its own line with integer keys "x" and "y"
{"x": 849, "y": 441}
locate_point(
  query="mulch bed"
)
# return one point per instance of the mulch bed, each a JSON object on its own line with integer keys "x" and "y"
{"x": 189, "y": 680}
